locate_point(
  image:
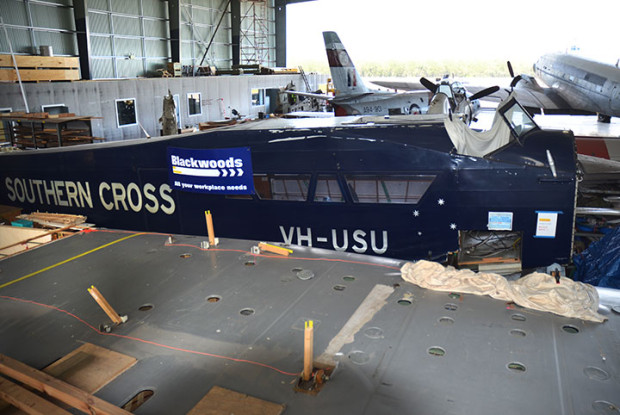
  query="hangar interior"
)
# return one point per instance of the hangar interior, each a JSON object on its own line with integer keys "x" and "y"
{"x": 124, "y": 47}
{"x": 116, "y": 296}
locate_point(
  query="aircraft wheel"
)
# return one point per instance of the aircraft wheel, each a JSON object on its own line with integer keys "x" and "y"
{"x": 414, "y": 109}
{"x": 604, "y": 118}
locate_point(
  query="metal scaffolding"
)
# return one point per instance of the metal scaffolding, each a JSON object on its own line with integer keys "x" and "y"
{"x": 257, "y": 32}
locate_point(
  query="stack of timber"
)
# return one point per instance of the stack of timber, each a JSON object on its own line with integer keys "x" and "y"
{"x": 42, "y": 129}
{"x": 39, "y": 68}
{"x": 253, "y": 69}
{"x": 28, "y": 231}
{"x": 54, "y": 220}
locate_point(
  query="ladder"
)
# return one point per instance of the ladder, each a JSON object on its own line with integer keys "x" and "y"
{"x": 305, "y": 78}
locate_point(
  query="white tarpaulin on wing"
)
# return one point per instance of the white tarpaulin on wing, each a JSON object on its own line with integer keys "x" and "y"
{"x": 536, "y": 291}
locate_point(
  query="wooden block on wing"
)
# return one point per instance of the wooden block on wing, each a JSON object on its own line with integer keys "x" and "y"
{"x": 221, "y": 401}
{"x": 90, "y": 367}
{"x": 275, "y": 249}
{"x": 27, "y": 401}
{"x": 10, "y": 236}
{"x": 56, "y": 388}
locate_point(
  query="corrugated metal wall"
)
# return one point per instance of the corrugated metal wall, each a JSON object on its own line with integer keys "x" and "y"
{"x": 219, "y": 95}
{"x": 199, "y": 18}
{"x": 130, "y": 38}
{"x": 42, "y": 23}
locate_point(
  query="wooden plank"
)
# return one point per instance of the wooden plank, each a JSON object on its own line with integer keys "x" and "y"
{"x": 16, "y": 239}
{"x": 105, "y": 306}
{"x": 90, "y": 367}
{"x": 54, "y": 219}
{"x": 27, "y": 401}
{"x": 8, "y": 75}
{"x": 308, "y": 350}
{"x": 40, "y": 74}
{"x": 275, "y": 249}
{"x": 221, "y": 401}
{"x": 62, "y": 115}
{"x": 24, "y": 61}
{"x": 36, "y": 236}
{"x": 56, "y": 388}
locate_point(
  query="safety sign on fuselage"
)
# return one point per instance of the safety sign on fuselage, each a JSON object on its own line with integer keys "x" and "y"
{"x": 216, "y": 171}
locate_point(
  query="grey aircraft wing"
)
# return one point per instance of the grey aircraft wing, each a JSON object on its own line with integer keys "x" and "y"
{"x": 534, "y": 99}
{"x": 403, "y": 85}
{"x": 527, "y": 91}
{"x": 310, "y": 95}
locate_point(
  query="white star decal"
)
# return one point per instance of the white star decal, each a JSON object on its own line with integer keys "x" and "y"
{"x": 416, "y": 213}
{"x": 441, "y": 202}
{"x": 453, "y": 226}
{"x": 419, "y": 233}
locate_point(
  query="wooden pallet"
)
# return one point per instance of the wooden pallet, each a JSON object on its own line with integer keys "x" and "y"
{"x": 39, "y": 68}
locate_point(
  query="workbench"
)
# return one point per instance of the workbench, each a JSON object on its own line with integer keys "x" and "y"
{"x": 42, "y": 131}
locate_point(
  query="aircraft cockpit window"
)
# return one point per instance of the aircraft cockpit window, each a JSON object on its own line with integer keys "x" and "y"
{"x": 458, "y": 88}
{"x": 328, "y": 190}
{"x": 387, "y": 188}
{"x": 445, "y": 89}
{"x": 519, "y": 120}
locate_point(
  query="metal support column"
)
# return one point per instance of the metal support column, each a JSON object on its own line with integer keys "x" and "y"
{"x": 82, "y": 32}
{"x": 174, "y": 13}
{"x": 235, "y": 25}
{"x": 280, "y": 12}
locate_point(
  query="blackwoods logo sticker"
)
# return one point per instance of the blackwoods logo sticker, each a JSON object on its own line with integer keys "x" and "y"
{"x": 217, "y": 171}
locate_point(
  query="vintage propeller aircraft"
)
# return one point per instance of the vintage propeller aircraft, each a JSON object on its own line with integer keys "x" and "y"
{"x": 574, "y": 85}
{"x": 450, "y": 96}
{"x": 353, "y": 97}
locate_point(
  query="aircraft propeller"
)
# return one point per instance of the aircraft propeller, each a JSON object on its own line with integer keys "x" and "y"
{"x": 431, "y": 86}
{"x": 515, "y": 79}
{"x": 483, "y": 93}
{"x": 480, "y": 94}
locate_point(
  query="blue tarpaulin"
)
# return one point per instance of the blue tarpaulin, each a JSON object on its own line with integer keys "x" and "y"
{"x": 600, "y": 264}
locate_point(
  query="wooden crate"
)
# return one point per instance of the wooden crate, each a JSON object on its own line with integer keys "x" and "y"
{"x": 40, "y": 68}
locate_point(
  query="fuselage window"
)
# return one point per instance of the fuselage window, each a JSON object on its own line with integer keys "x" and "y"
{"x": 282, "y": 186}
{"x": 328, "y": 190}
{"x": 388, "y": 189}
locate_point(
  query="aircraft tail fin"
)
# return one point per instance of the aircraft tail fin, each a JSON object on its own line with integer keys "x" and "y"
{"x": 344, "y": 75}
